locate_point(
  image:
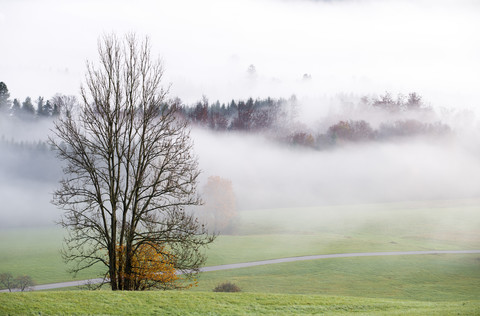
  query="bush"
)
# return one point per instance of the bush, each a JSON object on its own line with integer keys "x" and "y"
{"x": 353, "y": 131}
{"x": 226, "y": 287}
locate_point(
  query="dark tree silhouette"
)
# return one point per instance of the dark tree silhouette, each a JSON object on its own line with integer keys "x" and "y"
{"x": 129, "y": 170}
{"x": 4, "y": 97}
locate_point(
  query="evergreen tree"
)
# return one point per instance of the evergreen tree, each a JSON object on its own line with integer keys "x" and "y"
{"x": 40, "y": 106}
{"x": 56, "y": 110}
{"x": 48, "y": 109}
{"x": 4, "y": 97}
{"x": 27, "y": 107}
{"x": 16, "y": 107}
{"x": 232, "y": 108}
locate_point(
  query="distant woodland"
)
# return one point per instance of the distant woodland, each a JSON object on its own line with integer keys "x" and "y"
{"x": 401, "y": 117}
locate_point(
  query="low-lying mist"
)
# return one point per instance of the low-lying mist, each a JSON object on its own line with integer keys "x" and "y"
{"x": 269, "y": 175}
{"x": 29, "y": 172}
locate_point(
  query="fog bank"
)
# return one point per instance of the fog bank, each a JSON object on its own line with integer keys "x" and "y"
{"x": 267, "y": 175}
{"x": 236, "y": 49}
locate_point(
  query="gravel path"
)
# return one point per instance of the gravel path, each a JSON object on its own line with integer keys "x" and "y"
{"x": 272, "y": 261}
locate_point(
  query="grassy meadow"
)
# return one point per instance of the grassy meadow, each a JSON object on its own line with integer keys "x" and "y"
{"x": 190, "y": 303}
{"x": 36, "y": 252}
{"x": 432, "y": 278}
{"x": 439, "y": 284}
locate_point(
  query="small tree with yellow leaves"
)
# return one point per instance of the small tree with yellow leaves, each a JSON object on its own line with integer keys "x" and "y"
{"x": 153, "y": 267}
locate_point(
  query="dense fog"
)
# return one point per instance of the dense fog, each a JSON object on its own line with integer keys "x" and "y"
{"x": 29, "y": 172}
{"x": 329, "y": 54}
{"x": 266, "y": 173}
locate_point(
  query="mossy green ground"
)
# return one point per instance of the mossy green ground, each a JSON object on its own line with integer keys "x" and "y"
{"x": 269, "y": 234}
{"x": 202, "y": 303}
{"x": 36, "y": 252}
{"x": 423, "y": 278}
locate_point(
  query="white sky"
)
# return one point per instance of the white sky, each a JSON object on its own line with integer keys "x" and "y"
{"x": 359, "y": 46}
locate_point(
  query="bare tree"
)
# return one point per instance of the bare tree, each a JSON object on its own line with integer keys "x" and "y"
{"x": 63, "y": 104}
{"x": 129, "y": 170}
{"x": 24, "y": 282}
{"x": 7, "y": 281}
{"x": 20, "y": 283}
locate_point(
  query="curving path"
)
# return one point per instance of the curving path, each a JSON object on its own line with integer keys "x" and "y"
{"x": 272, "y": 261}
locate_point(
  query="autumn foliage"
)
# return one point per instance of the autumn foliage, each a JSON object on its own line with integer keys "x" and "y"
{"x": 152, "y": 266}
{"x": 220, "y": 204}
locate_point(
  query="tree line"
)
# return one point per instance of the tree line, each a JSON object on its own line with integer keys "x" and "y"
{"x": 251, "y": 115}
{"x": 34, "y": 109}
{"x": 278, "y": 118}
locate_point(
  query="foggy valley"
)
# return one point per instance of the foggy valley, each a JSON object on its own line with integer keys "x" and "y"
{"x": 270, "y": 170}
{"x": 320, "y": 127}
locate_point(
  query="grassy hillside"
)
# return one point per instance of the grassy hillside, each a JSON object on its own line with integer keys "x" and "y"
{"x": 423, "y": 278}
{"x": 36, "y": 252}
{"x": 190, "y": 303}
{"x": 268, "y": 234}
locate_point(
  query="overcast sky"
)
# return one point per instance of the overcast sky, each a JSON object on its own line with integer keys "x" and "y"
{"x": 360, "y": 46}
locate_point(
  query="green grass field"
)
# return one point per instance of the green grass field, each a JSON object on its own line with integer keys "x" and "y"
{"x": 202, "y": 303}
{"x": 36, "y": 252}
{"x": 269, "y": 234}
{"x": 423, "y": 278}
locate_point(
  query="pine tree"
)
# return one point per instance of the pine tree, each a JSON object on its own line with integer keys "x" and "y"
{"x": 16, "y": 107}
{"x": 4, "y": 97}
{"x": 56, "y": 110}
{"x": 40, "y": 106}
{"x": 27, "y": 107}
{"x": 48, "y": 108}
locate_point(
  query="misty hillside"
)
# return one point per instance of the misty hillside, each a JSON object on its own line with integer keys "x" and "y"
{"x": 318, "y": 101}
{"x": 320, "y": 156}
{"x": 366, "y": 119}
{"x": 363, "y": 119}
{"x": 364, "y": 149}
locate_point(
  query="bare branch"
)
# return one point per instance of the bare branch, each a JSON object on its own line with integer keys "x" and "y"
{"x": 129, "y": 168}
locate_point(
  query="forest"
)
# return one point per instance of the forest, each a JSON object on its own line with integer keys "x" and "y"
{"x": 399, "y": 117}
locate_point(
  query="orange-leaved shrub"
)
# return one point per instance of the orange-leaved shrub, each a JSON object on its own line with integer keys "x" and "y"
{"x": 151, "y": 266}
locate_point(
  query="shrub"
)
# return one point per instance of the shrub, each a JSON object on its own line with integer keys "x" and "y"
{"x": 226, "y": 287}
{"x": 353, "y": 131}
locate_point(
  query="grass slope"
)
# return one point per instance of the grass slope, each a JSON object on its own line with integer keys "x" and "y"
{"x": 202, "y": 303}
{"x": 423, "y": 278}
{"x": 269, "y": 234}
{"x": 36, "y": 252}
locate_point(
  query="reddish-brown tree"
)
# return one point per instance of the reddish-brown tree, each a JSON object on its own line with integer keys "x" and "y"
{"x": 220, "y": 204}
